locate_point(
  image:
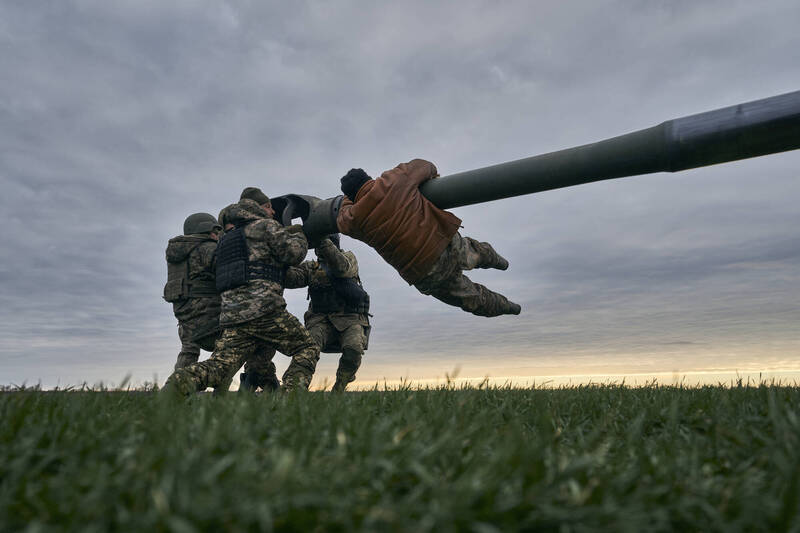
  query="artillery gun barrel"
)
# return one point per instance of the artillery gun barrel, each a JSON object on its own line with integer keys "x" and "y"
{"x": 756, "y": 128}
{"x": 737, "y": 132}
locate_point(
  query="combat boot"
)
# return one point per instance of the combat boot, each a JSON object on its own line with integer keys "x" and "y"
{"x": 501, "y": 263}
{"x": 342, "y": 380}
{"x": 495, "y": 260}
{"x": 170, "y": 392}
{"x": 178, "y": 385}
{"x": 295, "y": 383}
{"x": 295, "y": 379}
{"x": 246, "y": 383}
{"x": 349, "y": 363}
{"x": 507, "y": 307}
{"x": 488, "y": 256}
{"x": 224, "y": 386}
{"x": 270, "y": 383}
{"x": 250, "y": 382}
{"x": 300, "y": 371}
{"x": 489, "y": 303}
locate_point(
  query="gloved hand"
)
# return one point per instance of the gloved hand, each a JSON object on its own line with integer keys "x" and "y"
{"x": 324, "y": 243}
{"x": 322, "y": 248}
{"x": 295, "y": 228}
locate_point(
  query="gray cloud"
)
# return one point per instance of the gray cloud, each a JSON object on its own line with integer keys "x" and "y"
{"x": 120, "y": 119}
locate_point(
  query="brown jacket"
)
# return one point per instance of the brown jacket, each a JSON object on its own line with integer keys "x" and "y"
{"x": 392, "y": 216}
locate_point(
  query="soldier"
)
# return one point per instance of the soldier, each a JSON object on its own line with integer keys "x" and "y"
{"x": 252, "y": 259}
{"x": 338, "y": 313}
{"x": 418, "y": 239}
{"x": 190, "y": 285}
{"x": 191, "y": 288}
{"x": 259, "y": 369}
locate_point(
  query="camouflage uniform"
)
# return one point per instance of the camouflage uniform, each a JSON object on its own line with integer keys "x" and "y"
{"x": 254, "y": 315}
{"x": 196, "y": 314}
{"x": 446, "y": 282}
{"x": 259, "y": 370}
{"x": 340, "y": 331}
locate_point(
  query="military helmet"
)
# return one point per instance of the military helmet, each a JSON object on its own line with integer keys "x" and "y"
{"x": 254, "y": 193}
{"x": 200, "y": 223}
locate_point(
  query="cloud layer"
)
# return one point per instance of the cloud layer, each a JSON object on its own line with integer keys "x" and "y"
{"x": 118, "y": 120}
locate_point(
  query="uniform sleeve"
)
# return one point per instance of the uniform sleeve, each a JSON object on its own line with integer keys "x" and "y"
{"x": 418, "y": 171}
{"x": 288, "y": 248}
{"x": 203, "y": 259}
{"x": 299, "y": 276}
{"x": 210, "y": 256}
{"x": 341, "y": 264}
{"x": 344, "y": 219}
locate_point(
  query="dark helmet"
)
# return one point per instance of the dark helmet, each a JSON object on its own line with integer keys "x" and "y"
{"x": 200, "y": 223}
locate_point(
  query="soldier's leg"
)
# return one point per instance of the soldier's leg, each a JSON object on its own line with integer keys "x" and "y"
{"x": 209, "y": 344}
{"x": 232, "y": 348}
{"x": 224, "y": 386}
{"x": 190, "y": 351}
{"x": 321, "y": 332}
{"x": 474, "y": 298}
{"x": 353, "y": 341}
{"x": 259, "y": 371}
{"x": 284, "y": 332}
{"x": 475, "y": 254}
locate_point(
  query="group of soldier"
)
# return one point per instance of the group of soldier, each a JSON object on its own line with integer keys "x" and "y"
{"x": 226, "y": 279}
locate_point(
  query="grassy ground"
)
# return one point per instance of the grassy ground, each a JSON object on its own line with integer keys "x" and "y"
{"x": 573, "y": 459}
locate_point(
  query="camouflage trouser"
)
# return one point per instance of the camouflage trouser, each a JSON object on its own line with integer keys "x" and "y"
{"x": 259, "y": 365}
{"x": 260, "y": 371}
{"x": 253, "y": 342}
{"x": 190, "y": 350}
{"x": 352, "y": 341}
{"x": 446, "y": 282}
{"x": 194, "y": 316}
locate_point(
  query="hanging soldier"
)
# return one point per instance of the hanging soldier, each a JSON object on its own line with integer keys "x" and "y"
{"x": 418, "y": 239}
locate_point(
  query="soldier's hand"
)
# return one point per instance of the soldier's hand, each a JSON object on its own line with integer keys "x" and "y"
{"x": 295, "y": 228}
{"x": 324, "y": 243}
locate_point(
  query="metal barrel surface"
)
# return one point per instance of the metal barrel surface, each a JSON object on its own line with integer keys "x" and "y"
{"x": 761, "y": 127}
{"x": 752, "y": 129}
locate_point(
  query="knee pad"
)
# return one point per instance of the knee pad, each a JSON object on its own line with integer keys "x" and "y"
{"x": 352, "y": 352}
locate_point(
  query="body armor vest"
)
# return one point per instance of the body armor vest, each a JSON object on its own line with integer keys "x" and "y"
{"x": 180, "y": 287}
{"x": 342, "y": 295}
{"x": 234, "y": 267}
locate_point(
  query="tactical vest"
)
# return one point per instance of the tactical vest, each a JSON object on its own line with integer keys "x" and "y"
{"x": 342, "y": 295}
{"x": 180, "y": 287}
{"x": 234, "y": 267}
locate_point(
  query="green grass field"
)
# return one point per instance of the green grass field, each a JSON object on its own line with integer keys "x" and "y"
{"x": 585, "y": 458}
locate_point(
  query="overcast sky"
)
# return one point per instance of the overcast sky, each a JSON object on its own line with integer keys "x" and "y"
{"x": 118, "y": 119}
